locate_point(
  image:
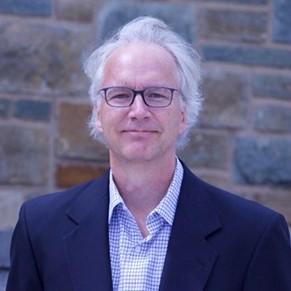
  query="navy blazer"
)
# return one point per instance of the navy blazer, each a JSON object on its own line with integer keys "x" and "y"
{"x": 219, "y": 242}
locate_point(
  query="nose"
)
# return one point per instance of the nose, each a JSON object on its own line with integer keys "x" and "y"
{"x": 138, "y": 108}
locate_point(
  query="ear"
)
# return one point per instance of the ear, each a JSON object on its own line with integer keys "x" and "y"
{"x": 182, "y": 126}
{"x": 98, "y": 119}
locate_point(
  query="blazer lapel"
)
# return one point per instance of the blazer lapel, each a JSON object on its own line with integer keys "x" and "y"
{"x": 190, "y": 258}
{"x": 87, "y": 243}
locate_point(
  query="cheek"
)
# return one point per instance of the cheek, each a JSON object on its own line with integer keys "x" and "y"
{"x": 108, "y": 120}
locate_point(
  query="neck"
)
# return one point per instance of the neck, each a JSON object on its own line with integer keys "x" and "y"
{"x": 142, "y": 185}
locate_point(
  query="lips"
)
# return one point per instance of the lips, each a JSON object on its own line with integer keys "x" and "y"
{"x": 139, "y": 131}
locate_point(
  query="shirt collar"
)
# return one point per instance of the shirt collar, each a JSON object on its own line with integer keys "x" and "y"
{"x": 167, "y": 206}
{"x": 114, "y": 196}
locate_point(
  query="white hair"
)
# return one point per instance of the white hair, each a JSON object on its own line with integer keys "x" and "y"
{"x": 150, "y": 30}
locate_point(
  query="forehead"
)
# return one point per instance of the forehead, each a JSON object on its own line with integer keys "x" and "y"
{"x": 140, "y": 64}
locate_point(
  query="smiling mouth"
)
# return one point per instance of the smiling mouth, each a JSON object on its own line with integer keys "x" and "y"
{"x": 139, "y": 131}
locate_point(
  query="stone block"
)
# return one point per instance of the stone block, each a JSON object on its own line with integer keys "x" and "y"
{"x": 118, "y": 13}
{"x": 41, "y": 58}
{"x": 281, "y": 21}
{"x": 32, "y": 110}
{"x": 225, "y": 103}
{"x": 71, "y": 175}
{"x": 238, "y": 26}
{"x": 5, "y": 239}
{"x": 27, "y": 7}
{"x": 206, "y": 150}
{"x": 262, "y": 161}
{"x": 273, "y": 118}
{"x": 4, "y": 108}
{"x": 74, "y": 140}
{"x": 251, "y": 56}
{"x": 10, "y": 202}
{"x": 271, "y": 86}
{"x": 3, "y": 279}
{"x": 75, "y": 10}
{"x": 252, "y": 2}
{"x": 24, "y": 155}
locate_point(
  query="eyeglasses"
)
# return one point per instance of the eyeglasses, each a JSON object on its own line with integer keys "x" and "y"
{"x": 152, "y": 96}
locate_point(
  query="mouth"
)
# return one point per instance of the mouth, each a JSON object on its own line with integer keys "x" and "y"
{"x": 143, "y": 132}
{"x": 139, "y": 131}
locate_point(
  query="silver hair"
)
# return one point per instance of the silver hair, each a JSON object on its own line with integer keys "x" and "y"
{"x": 150, "y": 30}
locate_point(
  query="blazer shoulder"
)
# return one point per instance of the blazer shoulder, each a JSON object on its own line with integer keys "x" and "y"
{"x": 239, "y": 212}
{"x": 56, "y": 199}
{"x": 232, "y": 209}
{"x": 56, "y": 204}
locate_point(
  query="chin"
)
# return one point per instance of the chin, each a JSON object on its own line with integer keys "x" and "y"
{"x": 137, "y": 152}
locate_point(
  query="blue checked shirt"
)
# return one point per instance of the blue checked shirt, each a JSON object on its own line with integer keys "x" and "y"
{"x": 137, "y": 262}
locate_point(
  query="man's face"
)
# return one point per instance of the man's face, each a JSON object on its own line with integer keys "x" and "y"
{"x": 139, "y": 132}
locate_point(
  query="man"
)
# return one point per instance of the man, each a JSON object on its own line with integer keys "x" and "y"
{"x": 148, "y": 223}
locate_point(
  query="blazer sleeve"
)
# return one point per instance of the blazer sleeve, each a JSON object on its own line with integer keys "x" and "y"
{"x": 23, "y": 275}
{"x": 270, "y": 266}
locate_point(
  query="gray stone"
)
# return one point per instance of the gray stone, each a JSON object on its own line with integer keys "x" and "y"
{"x": 24, "y": 155}
{"x": 273, "y": 118}
{"x": 281, "y": 21}
{"x": 76, "y": 10}
{"x": 37, "y": 57}
{"x": 27, "y": 7}
{"x": 206, "y": 150}
{"x": 252, "y": 56}
{"x": 3, "y": 279}
{"x": 277, "y": 87}
{"x": 5, "y": 239}
{"x": 33, "y": 110}
{"x": 262, "y": 161}
{"x": 4, "y": 108}
{"x": 255, "y": 2}
{"x": 117, "y": 14}
{"x": 10, "y": 202}
{"x": 238, "y": 26}
{"x": 225, "y": 102}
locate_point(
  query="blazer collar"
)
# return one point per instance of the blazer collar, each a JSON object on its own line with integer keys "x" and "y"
{"x": 190, "y": 258}
{"x": 87, "y": 243}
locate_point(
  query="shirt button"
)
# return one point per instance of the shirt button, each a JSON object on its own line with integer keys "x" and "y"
{"x": 137, "y": 249}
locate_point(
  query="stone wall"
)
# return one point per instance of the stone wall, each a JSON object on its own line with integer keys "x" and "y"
{"x": 242, "y": 142}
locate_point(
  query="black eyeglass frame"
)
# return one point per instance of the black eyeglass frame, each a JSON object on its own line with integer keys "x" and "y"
{"x": 138, "y": 92}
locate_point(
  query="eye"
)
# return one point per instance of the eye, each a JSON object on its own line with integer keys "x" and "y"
{"x": 156, "y": 95}
{"x": 119, "y": 96}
